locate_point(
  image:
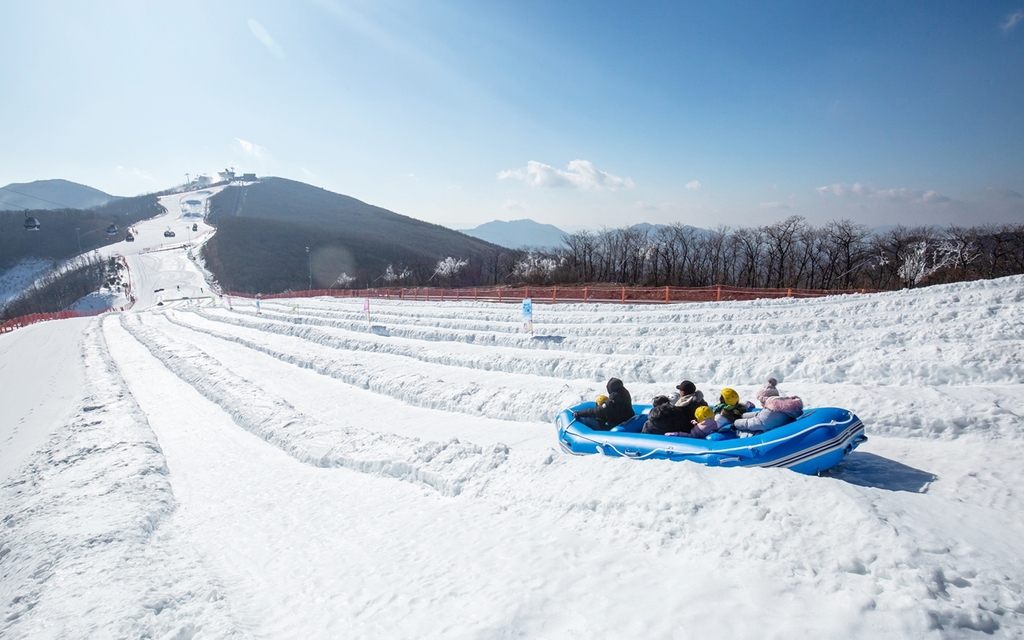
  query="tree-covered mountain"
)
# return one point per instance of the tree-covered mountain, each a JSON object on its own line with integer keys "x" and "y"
{"x": 51, "y": 194}
{"x": 65, "y": 233}
{"x": 264, "y": 229}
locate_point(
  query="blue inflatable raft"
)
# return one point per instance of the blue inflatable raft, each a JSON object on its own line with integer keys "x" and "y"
{"x": 816, "y": 441}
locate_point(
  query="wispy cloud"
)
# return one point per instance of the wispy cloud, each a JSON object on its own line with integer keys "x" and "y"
{"x": 581, "y": 174}
{"x": 138, "y": 173}
{"x": 264, "y": 37}
{"x": 252, "y": 149}
{"x": 899, "y": 195}
{"x": 694, "y": 185}
{"x": 514, "y": 205}
{"x": 774, "y": 205}
{"x": 1012, "y": 20}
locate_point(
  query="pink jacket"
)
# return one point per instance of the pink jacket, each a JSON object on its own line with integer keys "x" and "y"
{"x": 702, "y": 430}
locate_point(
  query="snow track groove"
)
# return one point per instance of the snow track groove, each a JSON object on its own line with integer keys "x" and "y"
{"x": 512, "y": 358}
{"x": 89, "y": 518}
{"x": 443, "y": 466}
{"x": 725, "y": 343}
{"x": 520, "y": 397}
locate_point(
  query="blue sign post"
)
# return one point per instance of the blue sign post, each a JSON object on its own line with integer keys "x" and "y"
{"x": 528, "y": 315}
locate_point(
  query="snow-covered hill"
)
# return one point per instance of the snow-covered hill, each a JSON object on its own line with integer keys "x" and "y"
{"x": 210, "y": 468}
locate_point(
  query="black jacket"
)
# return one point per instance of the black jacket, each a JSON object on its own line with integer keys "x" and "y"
{"x": 616, "y": 410}
{"x": 671, "y": 418}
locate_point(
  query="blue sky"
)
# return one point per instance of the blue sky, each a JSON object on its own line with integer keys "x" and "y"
{"x": 578, "y": 114}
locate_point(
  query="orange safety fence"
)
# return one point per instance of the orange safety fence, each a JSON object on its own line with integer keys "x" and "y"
{"x": 32, "y": 318}
{"x": 564, "y": 294}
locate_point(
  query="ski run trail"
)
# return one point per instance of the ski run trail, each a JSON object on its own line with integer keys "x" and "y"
{"x": 198, "y": 469}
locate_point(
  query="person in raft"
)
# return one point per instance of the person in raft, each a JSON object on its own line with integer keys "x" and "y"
{"x": 616, "y": 409}
{"x": 729, "y": 408}
{"x": 702, "y": 426}
{"x": 777, "y": 411}
{"x": 667, "y": 416}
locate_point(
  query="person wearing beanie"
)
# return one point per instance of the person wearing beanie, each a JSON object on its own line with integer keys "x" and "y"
{"x": 777, "y": 411}
{"x": 616, "y": 409}
{"x": 676, "y": 416}
{"x": 769, "y": 390}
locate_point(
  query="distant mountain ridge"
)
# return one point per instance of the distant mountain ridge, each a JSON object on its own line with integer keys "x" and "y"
{"x": 518, "y": 234}
{"x": 50, "y": 195}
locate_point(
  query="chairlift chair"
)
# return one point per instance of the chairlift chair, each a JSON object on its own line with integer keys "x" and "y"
{"x": 112, "y": 230}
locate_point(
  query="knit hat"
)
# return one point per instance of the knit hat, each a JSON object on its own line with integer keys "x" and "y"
{"x": 729, "y": 396}
{"x": 686, "y": 387}
{"x": 768, "y": 391}
{"x": 703, "y": 413}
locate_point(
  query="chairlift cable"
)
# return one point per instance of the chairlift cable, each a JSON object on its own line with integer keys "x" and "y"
{"x": 64, "y": 206}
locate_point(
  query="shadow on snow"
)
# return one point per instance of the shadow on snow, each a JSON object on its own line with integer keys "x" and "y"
{"x": 870, "y": 470}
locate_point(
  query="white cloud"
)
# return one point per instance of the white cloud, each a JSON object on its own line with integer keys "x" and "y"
{"x": 693, "y": 185}
{"x": 253, "y": 149}
{"x": 1012, "y": 20}
{"x": 138, "y": 173}
{"x": 898, "y": 195}
{"x": 264, "y": 37}
{"x": 645, "y": 206}
{"x": 774, "y": 205}
{"x": 582, "y": 174}
{"x": 513, "y": 205}
{"x": 309, "y": 174}
{"x": 934, "y": 197}
{"x": 845, "y": 189}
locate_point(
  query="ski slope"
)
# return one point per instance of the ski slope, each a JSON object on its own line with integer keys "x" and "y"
{"x": 192, "y": 469}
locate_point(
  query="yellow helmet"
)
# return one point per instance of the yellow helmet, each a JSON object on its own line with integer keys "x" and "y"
{"x": 601, "y": 399}
{"x": 703, "y": 413}
{"x": 729, "y": 396}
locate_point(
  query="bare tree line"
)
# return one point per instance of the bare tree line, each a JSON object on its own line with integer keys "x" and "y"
{"x": 787, "y": 254}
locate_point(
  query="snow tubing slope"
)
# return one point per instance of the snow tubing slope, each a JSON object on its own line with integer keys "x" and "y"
{"x": 816, "y": 441}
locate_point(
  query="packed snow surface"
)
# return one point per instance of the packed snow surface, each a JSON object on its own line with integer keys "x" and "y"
{"x": 201, "y": 468}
